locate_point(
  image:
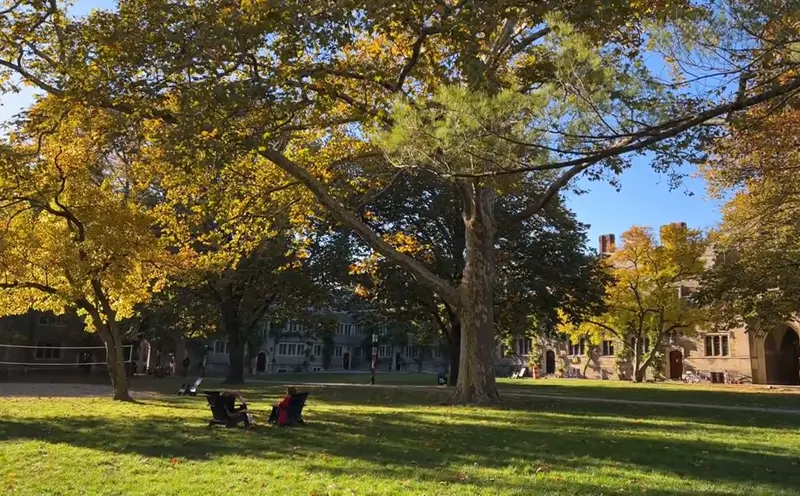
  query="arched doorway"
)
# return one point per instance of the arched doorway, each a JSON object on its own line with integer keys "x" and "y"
{"x": 261, "y": 362}
{"x": 782, "y": 356}
{"x": 346, "y": 361}
{"x": 675, "y": 364}
{"x": 550, "y": 362}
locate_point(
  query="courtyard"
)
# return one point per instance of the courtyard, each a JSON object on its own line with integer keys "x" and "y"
{"x": 547, "y": 437}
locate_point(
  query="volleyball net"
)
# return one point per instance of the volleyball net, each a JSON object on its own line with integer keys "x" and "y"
{"x": 46, "y": 355}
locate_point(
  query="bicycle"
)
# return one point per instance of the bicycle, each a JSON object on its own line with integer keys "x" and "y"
{"x": 695, "y": 377}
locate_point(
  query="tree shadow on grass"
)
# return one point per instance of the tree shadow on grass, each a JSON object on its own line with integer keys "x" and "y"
{"x": 262, "y": 398}
{"x": 435, "y": 445}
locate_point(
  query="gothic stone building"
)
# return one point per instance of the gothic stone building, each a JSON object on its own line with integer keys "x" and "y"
{"x": 771, "y": 358}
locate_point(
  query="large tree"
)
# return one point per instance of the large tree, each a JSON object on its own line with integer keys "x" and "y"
{"x": 486, "y": 94}
{"x": 645, "y": 304}
{"x": 755, "y": 280}
{"x": 542, "y": 263}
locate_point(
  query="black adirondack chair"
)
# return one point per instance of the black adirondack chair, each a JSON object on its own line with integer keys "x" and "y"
{"x": 222, "y": 413}
{"x": 294, "y": 411}
{"x": 190, "y": 389}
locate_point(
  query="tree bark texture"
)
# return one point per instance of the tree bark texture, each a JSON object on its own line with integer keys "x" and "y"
{"x": 235, "y": 373}
{"x": 116, "y": 363}
{"x": 638, "y": 370}
{"x": 104, "y": 320}
{"x": 455, "y": 350}
{"x": 476, "y": 381}
{"x": 180, "y": 354}
{"x": 115, "y": 357}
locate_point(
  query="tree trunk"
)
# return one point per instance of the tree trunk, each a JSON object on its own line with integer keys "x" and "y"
{"x": 476, "y": 383}
{"x": 180, "y": 354}
{"x": 644, "y": 366}
{"x": 638, "y": 370}
{"x": 455, "y": 350}
{"x": 233, "y": 329}
{"x": 115, "y": 359}
{"x": 119, "y": 376}
{"x": 106, "y": 325}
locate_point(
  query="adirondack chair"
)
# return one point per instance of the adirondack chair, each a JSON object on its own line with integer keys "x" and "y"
{"x": 223, "y": 413}
{"x": 294, "y": 411}
{"x": 186, "y": 389}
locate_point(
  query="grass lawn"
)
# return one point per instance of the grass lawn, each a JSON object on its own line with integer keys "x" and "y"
{"x": 362, "y": 440}
{"x": 739, "y": 395}
{"x": 719, "y": 394}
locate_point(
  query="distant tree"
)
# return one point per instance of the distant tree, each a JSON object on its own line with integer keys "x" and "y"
{"x": 643, "y": 304}
{"x": 176, "y": 314}
{"x": 77, "y": 232}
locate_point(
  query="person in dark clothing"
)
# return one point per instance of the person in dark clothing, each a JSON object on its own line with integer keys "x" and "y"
{"x": 185, "y": 366}
{"x": 238, "y": 413}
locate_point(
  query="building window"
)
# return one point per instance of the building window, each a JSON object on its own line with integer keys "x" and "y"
{"x": 501, "y": 350}
{"x": 579, "y": 348}
{"x": 412, "y": 351}
{"x": 524, "y": 346}
{"x": 291, "y": 349}
{"x": 717, "y": 345}
{"x": 359, "y": 352}
{"x": 295, "y": 327}
{"x": 384, "y": 351}
{"x": 608, "y": 348}
{"x": 437, "y": 353}
{"x": 221, "y": 347}
{"x": 345, "y": 329}
{"x": 317, "y": 350}
{"x": 338, "y": 351}
{"x": 47, "y": 351}
{"x": 51, "y": 320}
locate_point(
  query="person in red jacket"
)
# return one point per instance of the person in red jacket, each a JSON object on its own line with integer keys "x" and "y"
{"x": 281, "y": 411}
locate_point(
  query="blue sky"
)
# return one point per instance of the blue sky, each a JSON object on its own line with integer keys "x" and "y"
{"x": 645, "y": 198}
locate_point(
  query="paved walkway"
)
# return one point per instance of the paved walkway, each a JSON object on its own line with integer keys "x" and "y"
{"x": 93, "y": 390}
{"x": 561, "y": 397}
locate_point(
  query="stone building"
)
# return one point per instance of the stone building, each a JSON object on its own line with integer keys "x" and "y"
{"x": 771, "y": 358}
{"x": 43, "y": 343}
{"x": 287, "y": 348}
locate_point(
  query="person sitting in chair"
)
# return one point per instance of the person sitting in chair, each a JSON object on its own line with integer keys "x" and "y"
{"x": 240, "y": 413}
{"x": 280, "y": 412}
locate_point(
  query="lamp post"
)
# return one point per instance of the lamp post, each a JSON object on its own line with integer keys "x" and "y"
{"x": 374, "y": 356}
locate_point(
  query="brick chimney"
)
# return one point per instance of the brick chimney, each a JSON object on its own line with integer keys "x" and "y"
{"x": 607, "y": 244}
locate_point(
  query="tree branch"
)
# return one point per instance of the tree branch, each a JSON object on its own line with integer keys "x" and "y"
{"x": 416, "y": 50}
{"x": 545, "y": 198}
{"x": 31, "y": 78}
{"x": 531, "y": 38}
{"x": 29, "y": 285}
{"x": 319, "y": 190}
{"x": 260, "y": 311}
{"x": 652, "y": 135}
{"x": 607, "y": 328}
